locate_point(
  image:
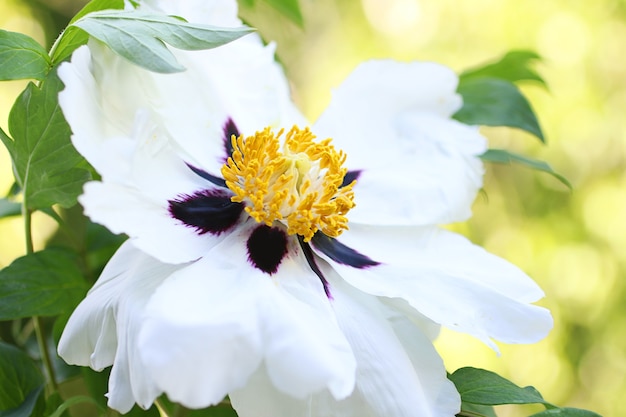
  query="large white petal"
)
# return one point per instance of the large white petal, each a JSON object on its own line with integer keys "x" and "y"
{"x": 151, "y": 228}
{"x": 103, "y": 330}
{"x": 104, "y": 94}
{"x": 398, "y": 375}
{"x": 449, "y": 280}
{"x": 393, "y": 121}
{"x": 212, "y": 324}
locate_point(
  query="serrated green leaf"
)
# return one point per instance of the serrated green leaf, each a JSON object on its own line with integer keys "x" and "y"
{"x": 46, "y": 165}
{"x": 496, "y": 102}
{"x": 479, "y": 386}
{"x": 514, "y": 66}
{"x": 21, "y": 57}
{"x": 43, "y": 283}
{"x": 139, "y": 36}
{"x": 73, "y": 37}
{"x": 289, "y": 8}
{"x": 9, "y": 208}
{"x": 566, "y": 412}
{"x": 21, "y": 382}
{"x": 501, "y": 156}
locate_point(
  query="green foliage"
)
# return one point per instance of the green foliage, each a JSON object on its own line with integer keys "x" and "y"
{"x": 41, "y": 284}
{"x": 477, "y": 410}
{"x": 496, "y": 102}
{"x": 478, "y": 386}
{"x": 73, "y": 401}
{"x": 9, "y": 208}
{"x": 47, "y": 167}
{"x": 22, "y": 57}
{"x": 73, "y": 37}
{"x": 514, "y": 66}
{"x": 502, "y": 156}
{"x": 289, "y": 8}
{"x": 485, "y": 388}
{"x": 21, "y": 382}
{"x": 139, "y": 36}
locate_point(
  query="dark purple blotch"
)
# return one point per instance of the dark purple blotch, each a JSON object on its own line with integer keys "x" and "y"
{"x": 310, "y": 259}
{"x": 267, "y": 246}
{"x": 213, "y": 179}
{"x": 350, "y": 176}
{"x": 341, "y": 253}
{"x": 229, "y": 129}
{"x": 207, "y": 211}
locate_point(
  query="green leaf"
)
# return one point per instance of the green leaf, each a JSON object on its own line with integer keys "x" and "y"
{"x": 478, "y": 410}
{"x": 21, "y": 382}
{"x": 289, "y": 8}
{"x": 566, "y": 412}
{"x": 479, "y": 386}
{"x": 46, "y": 165}
{"x": 514, "y": 66}
{"x": 43, "y": 283}
{"x": 496, "y": 102}
{"x": 219, "y": 410}
{"x": 76, "y": 400}
{"x": 9, "y": 208}
{"x": 73, "y": 37}
{"x": 502, "y": 156}
{"x": 22, "y": 57}
{"x": 139, "y": 36}
{"x": 27, "y": 407}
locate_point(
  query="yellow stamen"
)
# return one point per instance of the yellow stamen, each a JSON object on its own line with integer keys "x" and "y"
{"x": 300, "y": 186}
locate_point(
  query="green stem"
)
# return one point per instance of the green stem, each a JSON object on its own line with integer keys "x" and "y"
{"x": 162, "y": 409}
{"x": 45, "y": 355}
{"x": 41, "y": 339}
{"x": 27, "y": 214}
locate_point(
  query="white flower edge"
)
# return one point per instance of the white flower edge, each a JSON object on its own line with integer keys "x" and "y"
{"x": 449, "y": 280}
{"x": 418, "y": 166}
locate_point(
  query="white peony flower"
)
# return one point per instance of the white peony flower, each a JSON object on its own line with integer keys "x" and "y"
{"x": 298, "y": 276}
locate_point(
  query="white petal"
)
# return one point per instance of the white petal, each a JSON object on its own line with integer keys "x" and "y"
{"x": 388, "y": 381}
{"x": 104, "y": 94}
{"x": 212, "y": 324}
{"x": 89, "y": 337}
{"x": 102, "y": 331}
{"x": 393, "y": 379}
{"x": 393, "y": 122}
{"x": 151, "y": 228}
{"x": 449, "y": 280}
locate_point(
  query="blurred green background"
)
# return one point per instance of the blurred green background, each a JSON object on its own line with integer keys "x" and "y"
{"x": 572, "y": 243}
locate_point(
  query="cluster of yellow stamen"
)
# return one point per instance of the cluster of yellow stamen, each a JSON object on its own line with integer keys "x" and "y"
{"x": 300, "y": 186}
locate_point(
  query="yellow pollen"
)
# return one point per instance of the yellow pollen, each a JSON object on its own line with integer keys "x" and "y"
{"x": 300, "y": 186}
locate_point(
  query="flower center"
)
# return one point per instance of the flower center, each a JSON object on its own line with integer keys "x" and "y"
{"x": 300, "y": 186}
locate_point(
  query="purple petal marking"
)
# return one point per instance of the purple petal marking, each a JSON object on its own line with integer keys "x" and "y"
{"x": 207, "y": 211}
{"x": 350, "y": 176}
{"x": 267, "y": 246}
{"x": 310, "y": 258}
{"x": 341, "y": 253}
{"x": 220, "y": 182}
{"x": 229, "y": 129}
